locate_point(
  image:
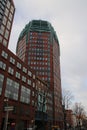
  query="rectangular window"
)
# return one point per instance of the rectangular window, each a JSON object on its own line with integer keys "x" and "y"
{"x": 10, "y": 71}
{"x": 18, "y": 65}
{"x": 8, "y": 4}
{"x": 1, "y": 11}
{"x": 24, "y": 70}
{"x": 33, "y": 85}
{"x": 10, "y": 17}
{"x": 6, "y": 34}
{"x": 2, "y": 6}
{"x": 33, "y": 76}
{"x": 8, "y": 24}
{"x": 12, "y": 89}
{"x": 29, "y": 73}
{"x": 6, "y": 12}
{"x": 1, "y": 83}
{"x": 17, "y": 75}
{"x": 25, "y": 95}
{"x": 5, "y": 42}
{"x": 4, "y": 54}
{"x": 2, "y": 65}
{"x": 12, "y": 9}
{"x": 4, "y": 2}
{"x": 33, "y": 94}
{"x": 29, "y": 82}
{"x": 23, "y": 78}
{"x": 2, "y": 29}
{"x": 4, "y": 20}
{"x": 12, "y": 60}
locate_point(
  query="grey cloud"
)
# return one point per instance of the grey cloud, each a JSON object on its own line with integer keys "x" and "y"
{"x": 69, "y": 20}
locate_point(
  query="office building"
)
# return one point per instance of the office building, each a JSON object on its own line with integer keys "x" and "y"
{"x": 18, "y": 85}
{"x": 18, "y": 82}
{"x": 38, "y": 46}
{"x": 7, "y": 10}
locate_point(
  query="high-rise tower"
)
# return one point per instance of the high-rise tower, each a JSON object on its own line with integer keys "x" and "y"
{"x": 7, "y": 10}
{"x": 38, "y": 47}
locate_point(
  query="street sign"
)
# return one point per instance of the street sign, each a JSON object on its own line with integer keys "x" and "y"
{"x": 9, "y": 108}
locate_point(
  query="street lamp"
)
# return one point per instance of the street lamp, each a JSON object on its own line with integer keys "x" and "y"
{"x": 6, "y": 117}
{"x": 7, "y": 109}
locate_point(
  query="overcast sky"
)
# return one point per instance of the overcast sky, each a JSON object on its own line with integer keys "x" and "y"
{"x": 69, "y": 19}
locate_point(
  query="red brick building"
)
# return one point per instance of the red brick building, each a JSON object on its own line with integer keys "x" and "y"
{"x": 38, "y": 46}
{"x": 69, "y": 118}
{"x": 17, "y": 83}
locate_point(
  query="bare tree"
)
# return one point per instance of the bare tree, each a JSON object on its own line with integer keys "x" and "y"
{"x": 67, "y": 98}
{"x": 79, "y": 113}
{"x": 66, "y": 101}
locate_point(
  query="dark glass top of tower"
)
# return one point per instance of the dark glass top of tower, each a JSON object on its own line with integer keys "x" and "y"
{"x": 38, "y": 26}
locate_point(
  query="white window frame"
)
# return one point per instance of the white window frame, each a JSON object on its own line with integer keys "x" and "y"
{"x": 4, "y": 54}
{"x": 2, "y": 65}
{"x": 24, "y": 70}
{"x": 12, "y": 60}
{"x": 23, "y": 78}
{"x": 17, "y": 75}
{"x": 30, "y": 73}
{"x": 29, "y": 82}
{"x": 10, "y": 70}
{"x": 19, "y": 65}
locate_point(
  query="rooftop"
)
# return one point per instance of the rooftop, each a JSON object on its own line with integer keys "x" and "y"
{"x": 38, "y": 26}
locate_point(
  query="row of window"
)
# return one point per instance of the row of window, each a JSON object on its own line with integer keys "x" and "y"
{"x": 38, "y": 41}
{"x": 33, "y": 55}
{"x": 5, "y": 3}
{"x": 39, "y": 63}
{"x": 36, "y": 57}
{"x": 17, "y": 74}
{"x": 6, "y": 35}
{"x": 45, "y": 78}
{"x": 18, "y": 65}
{"x": 41, "y": 69}
{"x": 40, "y": 59}
{"x": 12, "y": 90}
{"x": 37, "y": 50}
{"x": 4, "y": 41}
{"x": 39, "y": 45}
{"x": 39, "y": 34}
{"x": 8, "y": 22}
{"x": 39, "y": 37}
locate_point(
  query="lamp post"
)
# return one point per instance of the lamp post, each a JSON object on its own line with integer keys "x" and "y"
{"x": 6, "y": 118}
{"x": 7, "y": 109}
